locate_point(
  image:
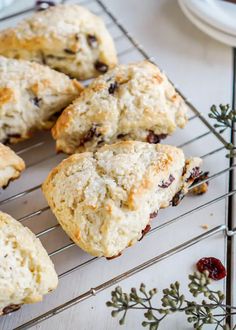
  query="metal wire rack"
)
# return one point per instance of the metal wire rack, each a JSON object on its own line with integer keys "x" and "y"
{"x": 24, "y": 199}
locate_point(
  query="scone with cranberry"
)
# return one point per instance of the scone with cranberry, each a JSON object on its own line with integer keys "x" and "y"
{"x": 104, "y": 200}
{"x": 30, "y": 97}
{"x": 130, "y": 102}
{"x": 68, "y": 38}
{"x": 26, "y": 271}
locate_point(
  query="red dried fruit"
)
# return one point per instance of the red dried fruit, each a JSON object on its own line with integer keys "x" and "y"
{"x": 214, "y": 266}
{"x": 153, "y": 214}
{"x": 112, "y": 88}
{"x": 145, "y": 231}
{"x": 92, "y": 41}
{"x": 166, "y": 184}
{"x": 154, "y": 138}
{"x": 11, "y": 308}
{"x": 101, "y": 67}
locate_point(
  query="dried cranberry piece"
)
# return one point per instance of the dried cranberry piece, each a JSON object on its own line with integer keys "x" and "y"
{"x": 89, "y": 135}
{"x": 166, "y": 184}
{"x": 214, "y": 266}
{"x": 113, "y": 257}
{"x": 42, "y": 5}
{"x": 153, "y": 214}
{"x": 195, "y": 173}
{"x": 69, "y": 51}
{"x": 201, "y": 178}
{"x": 11, "y": 308}
{"x": 177, "y": 198}
{"x": 154, "y": 138}
{"x": 92, "y": 41}
{"x": 101, "y": 67}
{"x": 112, "y": 88}
{"x": 36, "y": 100}
{"x": 145, "y": 231}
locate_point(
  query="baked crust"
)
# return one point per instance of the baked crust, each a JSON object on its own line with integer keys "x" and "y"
{"x": 104, "y": 200}
{"x": 11, "y": 165}
{"x": 130, "y": 102}
{"x": 30, "y": 96}
{"x": 68, "y": 38}
{"x": 26, "y": 271}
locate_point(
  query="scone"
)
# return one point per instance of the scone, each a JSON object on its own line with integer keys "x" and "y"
{"x": 26, "y": 271}
{"x": 30, "y": 96}
{"x": 130, "y": 102}
{"x": 11, "y": 165}
{"x": 68, "y": 38}
{"x": 104, "y": 200}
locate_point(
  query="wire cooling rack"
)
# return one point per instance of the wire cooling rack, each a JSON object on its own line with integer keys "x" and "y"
{"x": 23, "y": 200}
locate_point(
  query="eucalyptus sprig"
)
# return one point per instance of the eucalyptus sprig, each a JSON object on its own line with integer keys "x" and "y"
{"x": 226, "y": 118}
{"x": 211, "y": 310}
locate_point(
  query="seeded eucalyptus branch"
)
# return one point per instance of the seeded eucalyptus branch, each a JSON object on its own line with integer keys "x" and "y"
{"x": 226, "y": 118}
{"x": 211, "y": 310}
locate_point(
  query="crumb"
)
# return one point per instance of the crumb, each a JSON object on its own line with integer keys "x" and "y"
{"x": 205, "y": 226}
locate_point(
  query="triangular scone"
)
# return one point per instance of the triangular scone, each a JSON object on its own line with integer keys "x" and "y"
{"x": 68, "y": 38}
{"x": 104, "y": 200}
{"x": 30, "y": 94}
{"x": 11, "y": 165}
{"x": 130, "y": 102}
{"x": 26, "y": 271}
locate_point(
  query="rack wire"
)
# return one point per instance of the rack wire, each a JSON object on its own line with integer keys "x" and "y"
{"x": 12, "y": 199}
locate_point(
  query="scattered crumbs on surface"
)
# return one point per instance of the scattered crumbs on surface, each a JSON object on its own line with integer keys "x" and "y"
{"x": 205, "y": 226}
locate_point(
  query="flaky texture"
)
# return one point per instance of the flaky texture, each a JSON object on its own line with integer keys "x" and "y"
{"x": 11, "y": 165}
{"x": 67, "y": 38}
{"x": 30, "y": 95}
{"x": 104, "y": 200}
{"x": 130, "y": 102}
{"x": 26, "y": 271}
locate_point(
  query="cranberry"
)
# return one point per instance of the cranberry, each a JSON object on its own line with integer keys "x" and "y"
{"x": 214, "y": 266}
{"x": 153, "y": 214}
{"x": 112, "y": 88}
{"x": 11, "y": 308}
{"x": 145, "y": 231}
{"x": 166, "y": 184}
{"x": 177, "y": 198}
{"x": 154, "y": 138}
{"x": 42, "y": 5}
{"x": 101, "y": 67}
{"x": 92, "y": 41}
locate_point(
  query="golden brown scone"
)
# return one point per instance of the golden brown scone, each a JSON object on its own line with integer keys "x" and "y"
{"x": 26, "y": 271}
{"x": 68, "y": 38}
{"x": 130, "y": 102}
{"x": 30, "y": 96}
{"x": 104, "y": 200}
{"x": 11, "y": 165}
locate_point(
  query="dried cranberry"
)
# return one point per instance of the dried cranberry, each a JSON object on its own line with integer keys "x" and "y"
{"x": 69, "y": 51}
{"x": 36, "y": 100}
{"x": 92, "y": 41}
{"x": 195, "y": 173}
{"x": 11, "y": 308}
{"x": 112, "y": 88}
{"x": 89, "y": 135}
{"x": 154, "y": 138}
{"x": 145, "y": 231}
{"x": 113, "y": 257}
{"x": 201, "y": 178}
{"x": 177, "y": 198}
{"x": 101, "y": 67}
{"x": 153, "y": 214}
{"x": 214, "y": 266}
{"x": 42, "y": 5}
{"x": 166, "y": 184}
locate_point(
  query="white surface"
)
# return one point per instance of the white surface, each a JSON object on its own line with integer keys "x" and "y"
{"x": 210, "y": 18}
{"x": 202, "y": 69}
